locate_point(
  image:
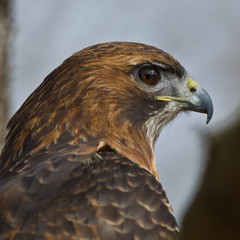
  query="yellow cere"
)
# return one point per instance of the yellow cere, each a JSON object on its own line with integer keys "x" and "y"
{"x": 192, "y": 84}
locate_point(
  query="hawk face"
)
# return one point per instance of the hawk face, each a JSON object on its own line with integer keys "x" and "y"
{"x": 118, "y": 95}
{"x": 170, "y": 91}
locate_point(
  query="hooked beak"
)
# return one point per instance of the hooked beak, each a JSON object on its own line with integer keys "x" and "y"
{"x": 198, "y": 100}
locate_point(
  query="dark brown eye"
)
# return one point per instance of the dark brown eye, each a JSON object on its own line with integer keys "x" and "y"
{"x": 149, "y": 75}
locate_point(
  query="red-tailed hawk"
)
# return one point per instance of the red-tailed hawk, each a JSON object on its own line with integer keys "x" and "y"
{"x": 78, "y": 162}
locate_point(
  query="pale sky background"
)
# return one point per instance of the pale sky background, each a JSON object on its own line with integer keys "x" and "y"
{"x": 204, "y": 35}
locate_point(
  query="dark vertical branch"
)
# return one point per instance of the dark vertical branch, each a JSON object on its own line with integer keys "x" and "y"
{"x": 4, "y": 36}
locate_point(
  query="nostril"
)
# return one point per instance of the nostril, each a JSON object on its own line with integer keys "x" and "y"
{"x": 193, "y": 90}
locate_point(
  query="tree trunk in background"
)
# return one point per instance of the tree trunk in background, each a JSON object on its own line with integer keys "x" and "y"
{"x": 4, "y": 34}
{"x": 215, "y": 212}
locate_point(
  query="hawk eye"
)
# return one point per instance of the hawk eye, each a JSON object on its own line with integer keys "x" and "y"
{"x": 149, "y": 74}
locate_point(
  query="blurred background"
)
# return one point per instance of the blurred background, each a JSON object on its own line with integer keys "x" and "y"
{"x": 203, "y": 35}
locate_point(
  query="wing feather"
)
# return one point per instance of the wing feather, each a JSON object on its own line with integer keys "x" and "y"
{"x": 109, "y": 198}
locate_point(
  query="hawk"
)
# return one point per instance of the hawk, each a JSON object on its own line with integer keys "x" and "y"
{"x": 78, "y": 162}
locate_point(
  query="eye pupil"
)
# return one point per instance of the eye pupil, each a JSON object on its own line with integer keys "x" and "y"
{"x": 149, "y": 75}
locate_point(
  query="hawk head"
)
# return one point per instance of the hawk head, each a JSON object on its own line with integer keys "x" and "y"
{"x": 114, "y": 96}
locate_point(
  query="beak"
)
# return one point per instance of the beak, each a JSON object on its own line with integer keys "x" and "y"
{"x": 197, "y": 100}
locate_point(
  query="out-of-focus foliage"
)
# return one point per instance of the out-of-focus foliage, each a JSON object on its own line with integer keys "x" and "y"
{"x": 215, "y": 212}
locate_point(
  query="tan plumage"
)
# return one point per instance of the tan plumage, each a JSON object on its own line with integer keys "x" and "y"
{"x": 78, "y": 162}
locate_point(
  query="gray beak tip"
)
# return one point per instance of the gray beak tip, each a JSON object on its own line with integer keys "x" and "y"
{"x": 202, "y": 103}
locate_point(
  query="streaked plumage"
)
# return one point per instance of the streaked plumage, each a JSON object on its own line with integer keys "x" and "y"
{"x": 78, "y": 162}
